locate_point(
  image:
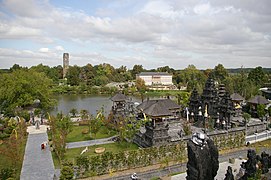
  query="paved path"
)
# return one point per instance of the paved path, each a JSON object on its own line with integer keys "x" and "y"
{"x": 90, "y": 143}
{"x": 221, "y": 171}
{"x": 37, "y": 164}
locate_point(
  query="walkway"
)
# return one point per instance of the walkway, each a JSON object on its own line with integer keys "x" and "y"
{"x": 37, "y": 164}
{"x": 90, "y": 143}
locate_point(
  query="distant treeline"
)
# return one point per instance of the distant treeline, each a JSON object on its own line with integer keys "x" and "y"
{"x": 245, "y": 81}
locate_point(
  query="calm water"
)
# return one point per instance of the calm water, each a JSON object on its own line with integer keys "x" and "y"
{"x": 88, "y": 102}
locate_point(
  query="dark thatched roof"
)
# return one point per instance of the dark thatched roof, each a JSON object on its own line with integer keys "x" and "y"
{"x": 258, "y": 100}
{"x": 237, "y": 97}
{"x": 159, "y": 107}
{"x": 119, "y": 97}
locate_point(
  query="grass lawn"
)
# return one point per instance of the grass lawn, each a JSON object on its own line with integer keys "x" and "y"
{"x": 265, "y": 143}
{"x": 76, "y": 134}
{"x": 71, "y": 154}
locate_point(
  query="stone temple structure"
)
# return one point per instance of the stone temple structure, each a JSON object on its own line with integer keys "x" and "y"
{"x": 159, "y": 113}
{"x": 65, "y": 64}
{"x": 213, "y": 104}
{"x": 122, "y": 106}
{"x": 202, "y": 158}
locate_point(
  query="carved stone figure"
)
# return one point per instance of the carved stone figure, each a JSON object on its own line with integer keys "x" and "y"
{"x": 250, "y": 165}
{"x": 202, "y": 158}
{"x": 229, "y": 175}
{"x": 264, "y": 161}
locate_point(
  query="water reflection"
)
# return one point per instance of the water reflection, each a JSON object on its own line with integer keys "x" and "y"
{"x": 88, "y": 102}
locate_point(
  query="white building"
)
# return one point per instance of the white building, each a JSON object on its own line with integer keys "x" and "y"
{"x": 157, "y": 80}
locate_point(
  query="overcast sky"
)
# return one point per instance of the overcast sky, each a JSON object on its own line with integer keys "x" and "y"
{"x": 126, "y": 32}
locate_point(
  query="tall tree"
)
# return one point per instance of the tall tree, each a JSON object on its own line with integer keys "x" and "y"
{"x": 73, "y": 75}
{"x": 136, "y": 70}
{"x": 21, "y": 87}
{"x": 220, "y": 73}
{"x": 192, "y": 78}
{"x": 141, "y": 87}
{"x": 257, "y": 76}
{"x": 60, "y": 127}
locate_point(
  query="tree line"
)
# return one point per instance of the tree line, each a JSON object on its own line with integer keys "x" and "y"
{"x": 20, "y": 86}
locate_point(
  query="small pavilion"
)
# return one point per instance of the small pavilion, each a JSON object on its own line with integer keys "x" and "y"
{"x": 119, "y": 106}
{"x": 254, "y": 102}
{"x": 159, "y": 113}
{"x": 237, "y": 100}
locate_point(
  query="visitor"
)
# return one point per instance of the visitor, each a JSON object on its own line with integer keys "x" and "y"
{"x": 42, "y": 146}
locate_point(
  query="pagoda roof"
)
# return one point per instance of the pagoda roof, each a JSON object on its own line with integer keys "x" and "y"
{"x": 118, "y": 97}
{"x": 237, "y": 97}
{"x": 258, "y": 100}
{"x": 159, "y": 107}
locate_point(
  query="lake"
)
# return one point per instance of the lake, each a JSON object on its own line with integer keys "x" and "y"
{"x": 92, "y": 103}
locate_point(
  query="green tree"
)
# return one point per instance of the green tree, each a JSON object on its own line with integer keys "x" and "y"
{"x": 261, "y": 110}
{"x": 141, "y": 87}
{"x": 66, "y": 173}
{"x": 87, "y": 74}
{"x": 52, "y": 73}
{"x": 95, "y": 126}
{"x": 136, "y": 70}
{"x": 220, "y": 73}
{"x": 257, "y": 76}
{"x": 60, "y": 127}
{"x": 73, "y": 75}
{"x": 15, "y": 67}
{"x": 242, "y": 85}
{"x": 192, "y": 78}
{"x": 246, "y": 117}
{"x": 21, "y": 87}
{"x": 183, "y": 98}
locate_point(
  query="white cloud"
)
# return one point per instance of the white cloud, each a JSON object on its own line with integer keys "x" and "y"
{"x": 59, "y": 48}
{"x": 202, "y": 9}
{"x": 176, "y": 32}
{"x": 44, "y": 50}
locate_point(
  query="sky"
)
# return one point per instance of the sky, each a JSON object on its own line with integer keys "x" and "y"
{"x": 175, "y": 33}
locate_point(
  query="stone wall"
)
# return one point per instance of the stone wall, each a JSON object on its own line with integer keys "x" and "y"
{"x": 233, "y": 138}
{"x": 223, "y": 139}
{"x": 256, "y": 127}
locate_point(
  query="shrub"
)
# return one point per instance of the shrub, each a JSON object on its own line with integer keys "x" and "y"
{"x": 6, "y": 173}
{"x": 66, "y": 173}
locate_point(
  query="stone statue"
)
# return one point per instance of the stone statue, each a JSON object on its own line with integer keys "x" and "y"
{"x": 264, "y": 161}
{"x": 37, "y": 124}
{"x": 202, "y": 158}
{"x": 250, "y": 165}
{"x": 229, "y": 175}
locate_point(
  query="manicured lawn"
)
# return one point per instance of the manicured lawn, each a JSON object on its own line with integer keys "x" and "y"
{"x": 71, "y": 154}
{"x": 76, "y": 134}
